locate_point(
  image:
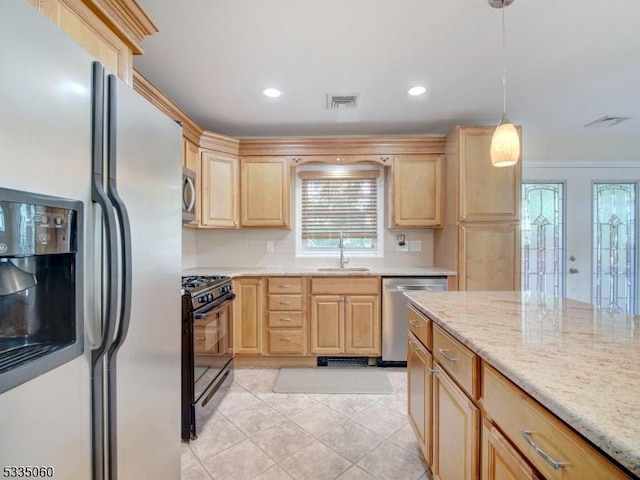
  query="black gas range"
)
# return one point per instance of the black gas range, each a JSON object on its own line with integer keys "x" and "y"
{"x": 207, "y": 347}
{"x": 207, "y": 290}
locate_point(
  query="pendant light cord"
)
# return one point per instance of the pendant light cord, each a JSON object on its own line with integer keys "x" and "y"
{"x": 504, "y": 68}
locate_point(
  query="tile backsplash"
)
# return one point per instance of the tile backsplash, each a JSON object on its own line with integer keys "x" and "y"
{"x": 248, "y": 248}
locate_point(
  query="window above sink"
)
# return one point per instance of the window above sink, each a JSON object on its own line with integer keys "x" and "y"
{"x": 334, "y": 198}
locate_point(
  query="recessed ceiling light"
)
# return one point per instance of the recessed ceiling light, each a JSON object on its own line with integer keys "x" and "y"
{"x": 417, "y": 90}
{"x": 272, "y": 92}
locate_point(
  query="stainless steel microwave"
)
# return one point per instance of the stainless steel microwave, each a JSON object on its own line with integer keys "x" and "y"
{"x": 188, "y": 195}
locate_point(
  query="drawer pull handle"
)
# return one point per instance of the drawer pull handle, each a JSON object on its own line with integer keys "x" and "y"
{"x": 201, "y": 338}
{"x": 526, "y": 434}
{"x": 413, "y": 345}
{"x": 285, "y": 303}
{"x": 415, "y": 323}
{"x": 285, "y": 286}
{"x": 431, "y": 371}
{"x": 285, "y": 319}
{"x": 443, "y": 352}
{"x": 285, "y": 339}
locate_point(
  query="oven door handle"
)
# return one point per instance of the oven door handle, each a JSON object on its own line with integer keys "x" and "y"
{"x": 205, "y": 313}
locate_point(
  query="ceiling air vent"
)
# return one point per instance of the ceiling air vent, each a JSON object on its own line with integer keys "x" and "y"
{"x": 606, "y": 121}
{"x": 339, "y": 102}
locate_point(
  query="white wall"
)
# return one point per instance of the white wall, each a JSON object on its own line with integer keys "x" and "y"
{"x": 596, "y": 147}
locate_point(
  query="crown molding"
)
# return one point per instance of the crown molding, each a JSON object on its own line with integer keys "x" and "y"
{"x": 342, "y": 146}
{"x": 126, "y": 18}
{"x": 190, "y": 129}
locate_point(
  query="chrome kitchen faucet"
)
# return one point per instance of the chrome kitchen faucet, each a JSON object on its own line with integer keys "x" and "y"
{"x": 343, "y": 260}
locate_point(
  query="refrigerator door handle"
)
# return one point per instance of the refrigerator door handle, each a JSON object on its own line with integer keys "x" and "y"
{"x": 126, "y": 280}
{"x": 110, "y": 284}
{"x": 122, "y": 217}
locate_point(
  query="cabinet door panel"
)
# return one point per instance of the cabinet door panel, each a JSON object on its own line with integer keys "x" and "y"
{"x": 327, "y": 318}
{"x": 420, "y": 413}
{"x": 455, "y": 431}
{"x": 248, "y": 313}
{"x": 486, "y": 193}
{"x": 417, "y": 191}
{"x": 500, "y": 461}
{"x": 219, "y": 190}
{"x": 265, "y": 192}
{"x": 489, "y": 256}
{"x": 362, "y": 325}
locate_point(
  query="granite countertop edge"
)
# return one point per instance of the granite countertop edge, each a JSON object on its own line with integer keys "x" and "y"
{"x": 389, "y": 271}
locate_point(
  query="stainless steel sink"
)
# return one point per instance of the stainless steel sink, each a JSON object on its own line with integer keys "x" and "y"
{"x": 344, "y": 269}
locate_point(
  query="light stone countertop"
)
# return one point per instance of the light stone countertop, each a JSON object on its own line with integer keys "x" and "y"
{"x": 313, "y": 271}
{"x": 581, "y": 363}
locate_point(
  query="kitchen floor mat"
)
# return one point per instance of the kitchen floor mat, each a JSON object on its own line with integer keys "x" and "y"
{"x": 332, "y": 380}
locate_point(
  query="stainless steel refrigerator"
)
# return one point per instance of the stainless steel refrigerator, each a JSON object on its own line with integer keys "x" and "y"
{"x": 61, "y": 117}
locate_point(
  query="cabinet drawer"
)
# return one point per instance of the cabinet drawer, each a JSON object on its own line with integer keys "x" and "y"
{"x": 515, "y": 413}
{"x": 458, "y": 360}
{"x": 285, "y": 319}
{"x": 286, "y": 342}
{"x": 285, "y": 285}
{"x": 345, "y": 285}
{"x": 285, "y": 302}
{"x": 420, "y": 326}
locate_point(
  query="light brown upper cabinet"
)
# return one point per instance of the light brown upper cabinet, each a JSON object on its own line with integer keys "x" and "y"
{"x": 480, "y": 235}
{"x": 264, "y": 188}
{"x": 485, "y": 193}
{"x": 416, "y": 191}
{"x": 220, "y": 189}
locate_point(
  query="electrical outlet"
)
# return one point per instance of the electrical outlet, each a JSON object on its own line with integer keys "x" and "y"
{"x": 415, "y": 245}
{"x": 270, "y": 246}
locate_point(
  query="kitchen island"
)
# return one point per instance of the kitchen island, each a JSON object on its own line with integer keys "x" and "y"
{"x": 580, "y": 363}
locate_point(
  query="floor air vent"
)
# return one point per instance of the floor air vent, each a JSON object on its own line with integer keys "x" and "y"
{"x": 346, "y": 362}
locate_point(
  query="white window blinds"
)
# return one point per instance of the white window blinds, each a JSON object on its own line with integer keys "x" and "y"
{"x": 334, "y": 203}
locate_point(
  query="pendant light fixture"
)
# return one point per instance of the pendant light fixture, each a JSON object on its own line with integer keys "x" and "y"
{"x": 505, "y": 144}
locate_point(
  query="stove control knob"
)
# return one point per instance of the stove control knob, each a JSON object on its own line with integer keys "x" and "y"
{"x": 202, "y": 299}
{"x": 210, "y": 297}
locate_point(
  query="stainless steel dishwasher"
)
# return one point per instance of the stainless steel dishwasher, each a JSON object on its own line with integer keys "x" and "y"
{"x": 394, "y": 313}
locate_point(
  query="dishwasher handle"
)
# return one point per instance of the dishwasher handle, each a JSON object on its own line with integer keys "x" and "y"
{"x": 412, "y": 288}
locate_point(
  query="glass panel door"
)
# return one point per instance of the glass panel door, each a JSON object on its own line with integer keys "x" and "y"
{"x": 579, "y": 233}
{"x": 614, "y": 246}
{"x": 543, "y": 237}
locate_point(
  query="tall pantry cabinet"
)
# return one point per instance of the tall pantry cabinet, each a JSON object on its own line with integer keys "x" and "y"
{"x": 480, "y": 237}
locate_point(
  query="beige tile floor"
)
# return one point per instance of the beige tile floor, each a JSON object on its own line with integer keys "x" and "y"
{"x": 257, "y": 434}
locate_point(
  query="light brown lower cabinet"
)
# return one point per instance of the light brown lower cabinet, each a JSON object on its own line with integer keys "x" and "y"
{"x": 419, "y": 366}
{"x": 345, "y": 325}
{"x": 248, "y": 312}
{"x": 553, "y": 448}
{"x": 345, "y": 316}
{"x": 500, "y": 461}
{"x": 286, "y": 318}
{"x": 456, "y": 431}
